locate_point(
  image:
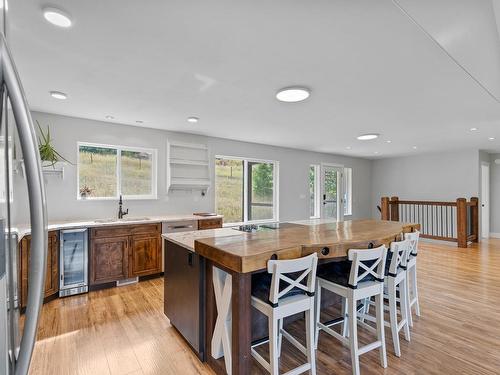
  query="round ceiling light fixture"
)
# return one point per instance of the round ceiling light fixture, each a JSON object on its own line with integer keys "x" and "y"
{"x": 293, "y": 94}
{"x": 368, "y": 137}
{"x": 58, "y": 95}
{"x": 193, "y": 119}
{"x": 57, "y": 17}
{"x": 491, "y": 138}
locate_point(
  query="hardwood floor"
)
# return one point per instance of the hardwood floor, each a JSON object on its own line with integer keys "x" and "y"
{"x": 122, "y": 331}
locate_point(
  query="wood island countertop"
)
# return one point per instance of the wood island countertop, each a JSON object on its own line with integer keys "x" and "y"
{"x": 247, "y": 252}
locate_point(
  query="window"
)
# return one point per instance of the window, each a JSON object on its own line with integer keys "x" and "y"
{"x": 347, "y": 191}
{"x": 314, "y": 191}
{"x": 106, "y": 172}
{"x": 246, "y": 189}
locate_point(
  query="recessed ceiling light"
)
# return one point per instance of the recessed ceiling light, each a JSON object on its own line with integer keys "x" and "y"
{"x": 491, "y": 138}
{"x": 108, "y": 117}
{"x": 473, "y": 129}
{"x": 367, "y": 137}
{"x": 376, "y": 152}
{"x": 193, "y": 120}
{"x": 293, "y": 94}
{"x": 57, "y": 17}
{"x": 348, "y": 147}
{"x": 58, "y": 95}
{"x": 388, "y": 141}
{"x": 414, "y": 147}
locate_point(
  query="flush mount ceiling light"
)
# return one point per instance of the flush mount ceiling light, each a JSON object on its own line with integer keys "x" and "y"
{"x": 57, "y": 17}
{"x": 367, "y": 137}
{"x": 193, "y": 120}
{"x": 293, "y": 94}
{"x": 58, "y": 95}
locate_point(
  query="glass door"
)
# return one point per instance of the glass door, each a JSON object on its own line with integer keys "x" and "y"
{"x": 332, "y": 206}
{"x": 73, "y": 258}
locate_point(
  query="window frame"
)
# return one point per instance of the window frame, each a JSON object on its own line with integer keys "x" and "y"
{"x": 119, "y": 149}
{"x": 317, "y": 190}
{"x": 347, "y": 191}
{"x": 245, "y": 161}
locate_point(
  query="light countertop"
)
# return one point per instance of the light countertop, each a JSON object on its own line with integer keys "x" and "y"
{"x": 23, "y": 230}
{"x": 187, "y": 239}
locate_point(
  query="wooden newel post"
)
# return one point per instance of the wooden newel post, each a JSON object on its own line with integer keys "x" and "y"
{"x": 475, "y": 218}
{"x": 462, "y": 222}
{"x": 384, "y": 208}
{"x": 394, "y": 208}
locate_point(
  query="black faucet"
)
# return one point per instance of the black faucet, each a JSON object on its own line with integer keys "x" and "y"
{"x": 121, "y": 213}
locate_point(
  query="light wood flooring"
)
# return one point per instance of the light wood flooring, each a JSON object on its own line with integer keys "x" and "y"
{"x": 123, "y": 331}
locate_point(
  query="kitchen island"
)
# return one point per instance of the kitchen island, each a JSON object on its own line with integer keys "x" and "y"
{"x": 224, "y": 260}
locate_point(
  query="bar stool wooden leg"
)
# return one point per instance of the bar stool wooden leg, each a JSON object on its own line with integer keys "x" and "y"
{"x": 353, "y": 335}
{"x": 317, "y": 313}
{"x": 404, "y": 307}
{"x": 310, "y": 344}
{"x": 414, "y": 288}
{"x": 393, "y": 314}
{"x": 379, "y": 310}
{"x": 273, "y": 345}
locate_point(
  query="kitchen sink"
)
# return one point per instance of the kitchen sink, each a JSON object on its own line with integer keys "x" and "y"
{"x": 110, "y": 220}
{"x": 113, "y": 220}
{"x": 134, "y": 218}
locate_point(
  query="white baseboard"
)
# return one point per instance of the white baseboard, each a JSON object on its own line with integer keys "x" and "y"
{"x": 495, "y": 235}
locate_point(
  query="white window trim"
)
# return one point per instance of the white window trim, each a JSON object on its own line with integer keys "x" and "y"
{"x": 348, "y": 192}
{"x": 119, "y": 149}
{"x": 276, "y": 210}
{"x": 317, "y": 190}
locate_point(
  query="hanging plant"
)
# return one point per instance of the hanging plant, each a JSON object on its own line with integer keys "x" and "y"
{"x": 47, "y": 151}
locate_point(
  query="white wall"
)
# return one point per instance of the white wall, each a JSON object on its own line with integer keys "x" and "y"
{"x": 495, "y": 195}
{"x": 436, "y": 176}
{"x": 294, "y": 164}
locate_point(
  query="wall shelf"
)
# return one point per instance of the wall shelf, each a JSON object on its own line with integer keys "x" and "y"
{"x": 54, "y": 170}
{"x": 187, "y": 166}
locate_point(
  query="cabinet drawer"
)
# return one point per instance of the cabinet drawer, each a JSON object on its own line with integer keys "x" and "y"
{"x": 125, "y": 230}
{"x": 210, "y": 223}
{"x": 179, "y": 226}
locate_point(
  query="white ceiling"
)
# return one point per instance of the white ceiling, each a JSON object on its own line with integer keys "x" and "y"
{"x": 420, "y": 76}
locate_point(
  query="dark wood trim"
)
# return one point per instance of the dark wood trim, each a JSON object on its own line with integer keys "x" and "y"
{"x": 462, "y": 222}
{"x": 241, "y": 323}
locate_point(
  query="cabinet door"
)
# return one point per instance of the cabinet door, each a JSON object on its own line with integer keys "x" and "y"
{"x": 109, "y": 259}
{"x": 144, "y": 255}
{"x": 52, "y": 272}
{"x": 52, "y": 275}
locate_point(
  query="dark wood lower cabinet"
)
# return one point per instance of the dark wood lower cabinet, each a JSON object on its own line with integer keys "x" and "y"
{"x": 122, "y": 252}
{"x": 52, "y": 272}
{"x": 109, "y": 259}
{"x": 144, "y": 257}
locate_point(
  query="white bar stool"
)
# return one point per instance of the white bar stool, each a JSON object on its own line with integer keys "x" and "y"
{"x": 411, "y": 271}
{"x": 365, "y": 279}
{"x": 278, "y": 302}
{"x": 395, "y": 281}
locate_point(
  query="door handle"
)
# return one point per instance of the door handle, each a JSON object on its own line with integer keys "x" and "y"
{"x": 36, "y": 198}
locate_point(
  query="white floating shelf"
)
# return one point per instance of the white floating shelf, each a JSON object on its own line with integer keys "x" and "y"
{"x": 54, "y": 170}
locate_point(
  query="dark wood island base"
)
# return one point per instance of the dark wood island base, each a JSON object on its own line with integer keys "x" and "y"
{"x": 226, "y": 264}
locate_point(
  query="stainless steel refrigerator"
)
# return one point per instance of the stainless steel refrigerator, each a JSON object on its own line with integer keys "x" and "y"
{"x": 16, "y": 130}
